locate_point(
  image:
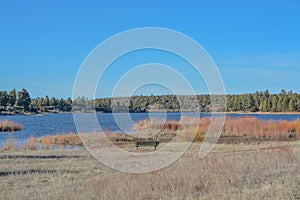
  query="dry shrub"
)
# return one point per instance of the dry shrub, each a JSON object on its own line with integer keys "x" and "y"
{"x": 119, "y": 137}
{"x": 9, "y": 126}
{"x": 30, "y": 144}
{"x": 199, "y": 137}
{"x": 190, "y": 135}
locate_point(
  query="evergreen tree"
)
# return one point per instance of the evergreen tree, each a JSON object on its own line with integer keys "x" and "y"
{"x": 12, "y": 97}
{"x": 292, "y": 105}
{"x": 274, "y": 103}
{"x": 53, "y": 101}
{"x": 24, "y": 99}
{"x": 3, "y": 99}
{"x": 47, "y": 101}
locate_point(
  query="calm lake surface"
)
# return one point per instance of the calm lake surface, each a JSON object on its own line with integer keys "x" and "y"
{"x": 51, "y": 124}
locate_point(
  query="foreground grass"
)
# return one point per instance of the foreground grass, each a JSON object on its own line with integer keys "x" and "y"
{"x": 9, "y": 126}
{"x": 265, "y": 171}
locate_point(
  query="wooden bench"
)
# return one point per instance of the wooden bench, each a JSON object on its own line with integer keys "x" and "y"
{"x": 146, "y": 143}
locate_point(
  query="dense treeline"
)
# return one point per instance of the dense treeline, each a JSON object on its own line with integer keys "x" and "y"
{"x": 18, "y": 102}
{"x": 264, "y": 102}
{"x": 254, "y": 102}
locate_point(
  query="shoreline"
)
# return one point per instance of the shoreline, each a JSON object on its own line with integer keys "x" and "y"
{"x": 265, "y": 113}
{"x": 238, "y": 113}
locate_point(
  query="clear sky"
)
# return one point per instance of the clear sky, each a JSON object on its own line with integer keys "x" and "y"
{"x": 255, "y": 44}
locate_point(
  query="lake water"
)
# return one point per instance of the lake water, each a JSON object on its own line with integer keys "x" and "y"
{"x": 51, "y": 124}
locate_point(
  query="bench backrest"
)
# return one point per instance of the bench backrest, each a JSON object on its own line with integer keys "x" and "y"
{"x": 146, "y": 143}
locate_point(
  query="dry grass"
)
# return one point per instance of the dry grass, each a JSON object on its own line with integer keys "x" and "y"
{"x": 30, "y": 144}
{"x": 184, "y": 130}
{"x": 264, "y": 174}
{"x": 235, "y": 130}
{"x": 251, "y": 172}
{"x": 9, "y": 126}
{"x": 266, "y": 171}
{"x": 77, "y": 140}
{"x": 247, "y": 127}
{"x": 9, "y": 144}
{"x": 155, "y": 124}
{"x": 61, "y": 139}
{"x": 258, "y": 129}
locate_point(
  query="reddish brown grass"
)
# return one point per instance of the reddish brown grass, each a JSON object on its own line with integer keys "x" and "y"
{"x": 254, "y": 128}
{"x": 30, "y": 144}
{"x": 248, "y": 126}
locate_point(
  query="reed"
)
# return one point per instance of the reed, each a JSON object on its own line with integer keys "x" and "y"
{"x": 9, "y": 144}
{"x": 248, "y": 127}
{"x": 30, "y": 144}
{"x": 61, "y": 139}
{"x": 254, "y": 128}
{"x": 9, "y": 126}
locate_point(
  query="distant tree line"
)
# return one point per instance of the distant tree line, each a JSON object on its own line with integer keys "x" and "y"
{"x": 20, "y": 101}
{"x": 264, "y": 102}
{"x": 254, "y": 102}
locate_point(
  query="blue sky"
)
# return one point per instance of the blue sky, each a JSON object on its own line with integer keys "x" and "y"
{"x": 255, "y": 44}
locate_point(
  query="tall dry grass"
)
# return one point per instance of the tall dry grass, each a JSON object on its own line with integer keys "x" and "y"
{"x": 254, "y": 128}
{"x": 161, "y": 124}
{"x": 9, "y": 126}
{"x": 232, "y": 175}
{"x": 226, "y": 173}
{"x": 9, "y": 144}
{"x": 248, "y": 126}
{"x": 61, "y": 139}
{"x": 30, "y": 144}
{"x": 184, "y": 130}
{"x": 188, "y": 129}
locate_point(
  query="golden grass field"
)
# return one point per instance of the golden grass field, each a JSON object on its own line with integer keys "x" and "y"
{"x": 266, "y": 171}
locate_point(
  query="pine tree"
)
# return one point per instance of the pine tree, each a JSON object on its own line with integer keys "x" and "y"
{"x": 47, "y": 101}
{"x": 12, "y": 97}
{"x": 24, "y": 99}
{"x": 3, "y": 99}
